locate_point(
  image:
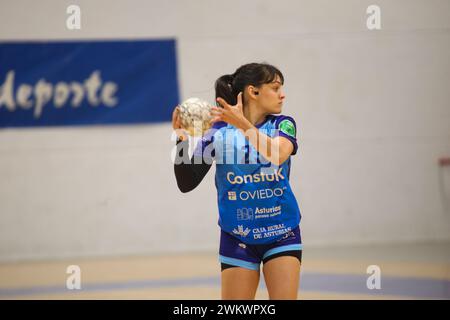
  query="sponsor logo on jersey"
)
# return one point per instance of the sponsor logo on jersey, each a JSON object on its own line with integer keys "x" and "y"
{"x": 270, "y": 231}
{"x": 254, "y": 178}
{"x": 261, "y": 194}
{"x": 240, "y": 231}
{"x": 287, "y": 126}
{"x": 231, "y": 195}
{"x": 257, "y": 213}
{"x": 244, "y": 213}
{"x": 287, "y": 235}
{"x": 268, "y": 210}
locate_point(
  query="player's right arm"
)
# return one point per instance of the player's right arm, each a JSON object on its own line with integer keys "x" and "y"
{"x": 190, "y": 173}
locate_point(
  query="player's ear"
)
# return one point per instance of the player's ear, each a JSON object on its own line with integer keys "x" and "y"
{"x": 252, "y": 91}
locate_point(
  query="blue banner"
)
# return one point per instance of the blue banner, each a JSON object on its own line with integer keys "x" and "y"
{"x": 87, "y": 82}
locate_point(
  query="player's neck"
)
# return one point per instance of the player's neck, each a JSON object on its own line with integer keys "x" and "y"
{"x": 254, "y": 116}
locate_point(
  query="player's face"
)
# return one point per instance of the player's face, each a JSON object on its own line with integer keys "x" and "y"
{"x": 271, "y": 96}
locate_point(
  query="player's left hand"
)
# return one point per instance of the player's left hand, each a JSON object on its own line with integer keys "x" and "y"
{"x": 233, "y": 115}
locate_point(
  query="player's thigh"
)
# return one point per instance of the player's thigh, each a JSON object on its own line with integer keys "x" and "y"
{"x": 239, "y": 283}
{"x": 282, "y": 276}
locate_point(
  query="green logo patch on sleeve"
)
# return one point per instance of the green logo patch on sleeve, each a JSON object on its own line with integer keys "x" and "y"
{"x": 287, "y": 126}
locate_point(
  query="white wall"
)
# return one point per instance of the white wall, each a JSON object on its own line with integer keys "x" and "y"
{"x": 373, "y": 109}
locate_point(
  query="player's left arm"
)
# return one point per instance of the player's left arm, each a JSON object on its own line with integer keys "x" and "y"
{"x": 276, "y": 149}
{"x": 285, "y": 147}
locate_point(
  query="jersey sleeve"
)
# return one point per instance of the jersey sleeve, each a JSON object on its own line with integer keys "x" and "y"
{"x": 202, "y": 148}
{"x": 188, "y": 174}
{"x": 286, "y": 127}
{"x": 205, "y": 147}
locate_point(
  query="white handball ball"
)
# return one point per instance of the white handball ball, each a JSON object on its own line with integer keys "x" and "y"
{"x": 195, "y": 115}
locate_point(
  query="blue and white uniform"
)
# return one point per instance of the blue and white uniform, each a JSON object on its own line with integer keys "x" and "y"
{"x": 255, "y": 200}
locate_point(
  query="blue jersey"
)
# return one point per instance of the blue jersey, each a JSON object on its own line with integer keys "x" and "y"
{"x": 255, "y": 200}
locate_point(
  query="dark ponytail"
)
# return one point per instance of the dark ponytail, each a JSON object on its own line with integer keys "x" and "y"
{"x": 255, "y": 74}
{"x": 224, "y": 88}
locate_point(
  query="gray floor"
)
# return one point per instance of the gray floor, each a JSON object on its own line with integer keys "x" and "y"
{"x": 408, "y": 271}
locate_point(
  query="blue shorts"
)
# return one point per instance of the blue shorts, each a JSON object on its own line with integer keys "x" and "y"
{"x": 235, "y": 253}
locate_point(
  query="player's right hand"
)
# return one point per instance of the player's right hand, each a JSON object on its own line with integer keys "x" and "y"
{"x": 176, "y": 125}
